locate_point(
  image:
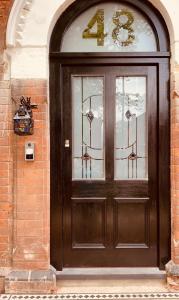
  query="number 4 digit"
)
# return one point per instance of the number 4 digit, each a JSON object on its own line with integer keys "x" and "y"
{"x": 99, "y": 35}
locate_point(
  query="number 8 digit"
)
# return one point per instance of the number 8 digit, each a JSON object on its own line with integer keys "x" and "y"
{"x": 125, "y": 26}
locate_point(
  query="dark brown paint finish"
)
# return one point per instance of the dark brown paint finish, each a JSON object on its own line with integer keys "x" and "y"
{"x": 110, "y": 223}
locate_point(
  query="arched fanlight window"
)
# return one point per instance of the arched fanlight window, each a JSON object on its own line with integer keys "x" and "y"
{"x": 110, "y": 27}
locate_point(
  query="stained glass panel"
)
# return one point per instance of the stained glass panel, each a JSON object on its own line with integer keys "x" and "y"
{"x": 131, "y": 146}
{"x": 88, "y": 131}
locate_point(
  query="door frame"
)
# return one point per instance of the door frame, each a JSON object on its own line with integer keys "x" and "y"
{"x": 57, "y": 139}
{"x": 161, "y": 59}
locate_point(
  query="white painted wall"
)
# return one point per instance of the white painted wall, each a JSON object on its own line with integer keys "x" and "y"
{"x": 31, "y": 23}
{"x": 29, "y": 62}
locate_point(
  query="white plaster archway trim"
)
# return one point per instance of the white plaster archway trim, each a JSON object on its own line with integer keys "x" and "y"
{"x": 31, "y": 22}
{"x": 28, "y": 34}
{"x": 30, "y": 26}
{"x": 16, "y": 22}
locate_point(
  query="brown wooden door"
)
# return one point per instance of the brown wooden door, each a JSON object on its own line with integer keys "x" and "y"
{"x": 110, "y": 182}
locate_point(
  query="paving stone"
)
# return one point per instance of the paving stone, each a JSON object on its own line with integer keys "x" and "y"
{"x": 42, "y": 275}
{"x": 103, "y": 296}
{"x": 5, "y": 297}
{"x": 18, "y": 275}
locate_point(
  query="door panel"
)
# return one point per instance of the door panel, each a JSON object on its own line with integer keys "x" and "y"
{"x": 136, "y": 212}
{"x": 110, "y": 193}
{"x": 88, "y": 222}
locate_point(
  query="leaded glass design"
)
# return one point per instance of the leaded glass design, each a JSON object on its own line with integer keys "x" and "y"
{"x": 110, "y": 27}
{"x": 131, "y": 146}
{"x": 88, "y": 129}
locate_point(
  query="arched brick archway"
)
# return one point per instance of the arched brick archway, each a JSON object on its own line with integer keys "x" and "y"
{"x": 21, "y": 250}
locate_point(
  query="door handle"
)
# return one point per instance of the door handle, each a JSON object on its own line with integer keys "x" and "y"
{"x": 67, "y": 143}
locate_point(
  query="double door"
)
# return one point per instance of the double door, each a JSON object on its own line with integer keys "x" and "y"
{"x": 110, "y": 173}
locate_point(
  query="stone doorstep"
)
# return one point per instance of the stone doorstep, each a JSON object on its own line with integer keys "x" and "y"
{"x": 172, "y": 271}
{"x": 43, "y": 281}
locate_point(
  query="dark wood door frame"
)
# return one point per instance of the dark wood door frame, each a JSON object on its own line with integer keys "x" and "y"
{"x": 57, "y": 61}
{"x": 96, "y": 232}
{"x": 161, "y": 60}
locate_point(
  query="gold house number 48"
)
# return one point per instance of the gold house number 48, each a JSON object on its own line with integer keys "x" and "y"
{"x": 123, "y": 20}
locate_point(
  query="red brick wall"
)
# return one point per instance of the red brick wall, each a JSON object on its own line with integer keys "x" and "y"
{"x": 6, "y": 165}
{"x": 6, "y": 168}
{"x": 175, "y": 167}
{"x": 31, "y": 186}
{"x": 24, "y": 186}
{"x": 5, "y": 6}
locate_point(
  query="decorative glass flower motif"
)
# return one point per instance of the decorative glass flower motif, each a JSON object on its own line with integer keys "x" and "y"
{"x": 132, "y": 156}
{"x": 90, "y": 116}
{"x": 86, "y": 156}
{"x": 129, "y": 115}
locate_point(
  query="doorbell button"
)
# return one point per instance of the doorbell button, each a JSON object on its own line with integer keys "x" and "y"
{"x": 29, "y": 151}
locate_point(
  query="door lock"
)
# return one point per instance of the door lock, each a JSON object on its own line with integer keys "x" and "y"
{"x": 67, "y": 144}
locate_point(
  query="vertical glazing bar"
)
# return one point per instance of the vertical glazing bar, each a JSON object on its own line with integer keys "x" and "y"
{"x": 90, "y": 139}
{"x": 136, "y": 147}
{"x": 82, "y": 93}
{"x": 128, "y": 128}
{"x": 86, "y": 168}
{"x": 133, "y": 163}
{"x": 123, "y": 108}
{"x": 146, "y": 146}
